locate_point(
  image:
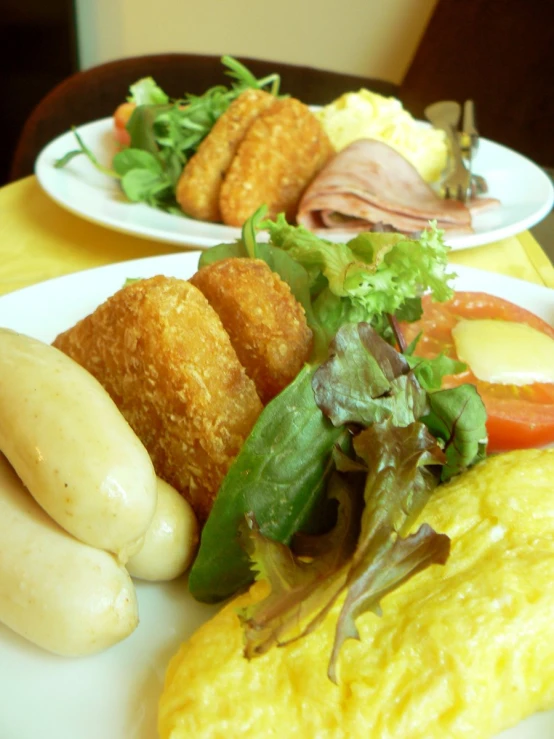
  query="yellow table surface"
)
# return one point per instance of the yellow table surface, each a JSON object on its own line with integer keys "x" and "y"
{"x": 40, "y": 240}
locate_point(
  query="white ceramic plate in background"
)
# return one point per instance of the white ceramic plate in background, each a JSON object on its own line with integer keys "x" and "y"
{"x": 114, "y": 695}
{"x": 525, "y": 192}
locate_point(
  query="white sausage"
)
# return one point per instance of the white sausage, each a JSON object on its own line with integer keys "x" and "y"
{"x": 170, "y": 542}
{"x": 72, "y": 448}
{"x": 64, "y": 596}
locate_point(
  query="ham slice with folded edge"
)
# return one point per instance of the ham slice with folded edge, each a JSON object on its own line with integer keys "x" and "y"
{"x": 370, "y": 183}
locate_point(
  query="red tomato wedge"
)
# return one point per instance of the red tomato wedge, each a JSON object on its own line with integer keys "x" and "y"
{"x": 120, "y": 119}
{"x": 518, "y": 417}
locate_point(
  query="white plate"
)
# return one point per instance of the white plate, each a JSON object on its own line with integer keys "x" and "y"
{"x": 114, "y": 695}
{"x": 524, "y": 190}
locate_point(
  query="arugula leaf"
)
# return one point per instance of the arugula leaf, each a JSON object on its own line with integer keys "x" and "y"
{"x": 143, "y": 184}
{"x": 83, "y": 149}
{"x": 140, "y": 127}
{"x": 130, "y": 158}
{"x": 244, "y": 78}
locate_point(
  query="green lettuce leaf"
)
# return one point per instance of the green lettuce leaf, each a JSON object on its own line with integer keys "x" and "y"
{"x": 374, "y": 277}
{"x": 366, "y": 380}
{"x": 457, "y": 416}
{"x": 430, "y": 372}
{"x": 378, "y": 271}
{"x": 279, "y": 477}
{"x": 364, "y": 557}
{"x": 146, "y": 92}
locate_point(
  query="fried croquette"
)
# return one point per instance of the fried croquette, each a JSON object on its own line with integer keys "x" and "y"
{"x": 284, "y": 148}
{"x": 200, "y": 182}
{"x": 460, "y": 650}
{"x": 265, "y": 322}
{"x": 161, "y": 352}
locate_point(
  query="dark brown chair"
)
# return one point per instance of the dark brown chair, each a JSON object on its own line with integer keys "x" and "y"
{"x": 501, "y": 55}
{"x": 95, "y": 93}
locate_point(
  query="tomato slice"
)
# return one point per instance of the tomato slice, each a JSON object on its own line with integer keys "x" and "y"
{"x": 518, "y": 417}
{"x": 120, "y": 120}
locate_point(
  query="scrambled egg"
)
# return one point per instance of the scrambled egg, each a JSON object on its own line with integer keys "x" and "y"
{"x": 463, "y": 650}
{"x": 367, "y": 115}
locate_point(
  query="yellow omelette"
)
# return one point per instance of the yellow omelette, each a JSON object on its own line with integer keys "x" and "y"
{"x": 463, "y": 650}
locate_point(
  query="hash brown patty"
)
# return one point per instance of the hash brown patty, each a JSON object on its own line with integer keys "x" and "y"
{"x": 200, "y": 182}
{"x": 281, "y": 152}
{"x": 161, "y": 352}
{"x": 266, "y": 324}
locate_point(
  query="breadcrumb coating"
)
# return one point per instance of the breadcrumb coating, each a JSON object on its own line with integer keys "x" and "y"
{"x": 283, "y": 149}
{"x": 265, "y": 322}
{"x": 161, "y": 352}
{"x": 200, "y": 182}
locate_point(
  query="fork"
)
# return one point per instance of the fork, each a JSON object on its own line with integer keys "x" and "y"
{"x": 457, "y": 184}
{"x": 469, "y": 143}
{"x": 446, "y": 115}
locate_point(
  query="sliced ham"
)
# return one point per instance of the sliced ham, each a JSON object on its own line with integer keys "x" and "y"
{"x": 370, "y": 183}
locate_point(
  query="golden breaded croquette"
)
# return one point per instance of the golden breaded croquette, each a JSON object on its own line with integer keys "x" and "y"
{"x": 200, "y": 182}
{"x": 265, "y": 322}
{"x": 282, "y": 151}
{"x": 161, "y": 352}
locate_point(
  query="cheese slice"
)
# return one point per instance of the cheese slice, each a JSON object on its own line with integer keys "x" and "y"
{"x": 505, "y": 352}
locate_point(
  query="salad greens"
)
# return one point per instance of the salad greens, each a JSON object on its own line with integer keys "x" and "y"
{"x": 165, "y": 133}
{"x": 321, "y": 498}
{"x": 371, "y": 278}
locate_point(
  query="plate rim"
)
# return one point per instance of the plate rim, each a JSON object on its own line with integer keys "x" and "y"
{"x": 93, "y": 282}
{"x": 44, "y": 169}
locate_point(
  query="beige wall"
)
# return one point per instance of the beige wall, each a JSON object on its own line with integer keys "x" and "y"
{"x": 375, "y": 38}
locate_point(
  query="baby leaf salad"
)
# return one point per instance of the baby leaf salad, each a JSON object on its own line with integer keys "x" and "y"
{"x": 165, "y": 133}
{"x": 322, "y": 498}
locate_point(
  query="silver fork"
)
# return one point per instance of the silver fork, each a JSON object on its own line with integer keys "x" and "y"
{"x": 446, "y": 115}
{"x": 469, "y": 139}
{"x": 458, "y": 183}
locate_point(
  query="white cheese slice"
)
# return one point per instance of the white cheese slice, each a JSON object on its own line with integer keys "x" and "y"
{"x": 505, "y": 352}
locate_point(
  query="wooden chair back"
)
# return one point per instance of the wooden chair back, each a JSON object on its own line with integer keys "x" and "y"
{"x": 498, "y": 53}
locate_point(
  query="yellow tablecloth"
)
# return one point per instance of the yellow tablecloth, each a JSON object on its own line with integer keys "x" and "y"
{"x": 40, "y": 240}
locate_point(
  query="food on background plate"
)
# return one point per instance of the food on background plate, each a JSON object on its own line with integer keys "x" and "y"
{"x": 170, "y": 541}
{"x": 64, "y": 596}
{"x": 265, "y": 323}
{"x": 508, "y": 351}
{"x": 261, "y": 150}
{"x": 368, "y": 115}
{"x": 460, "y": 650}
{"x": 282, "y": 150}
{"x": 72, "y": 448}
{"x": 219, "y": 156}
{"x": 199, "y": 186}
{"x": 367, "y": 184}
{"x": 163, "y": 134}
{"x": 161, "y": 352}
